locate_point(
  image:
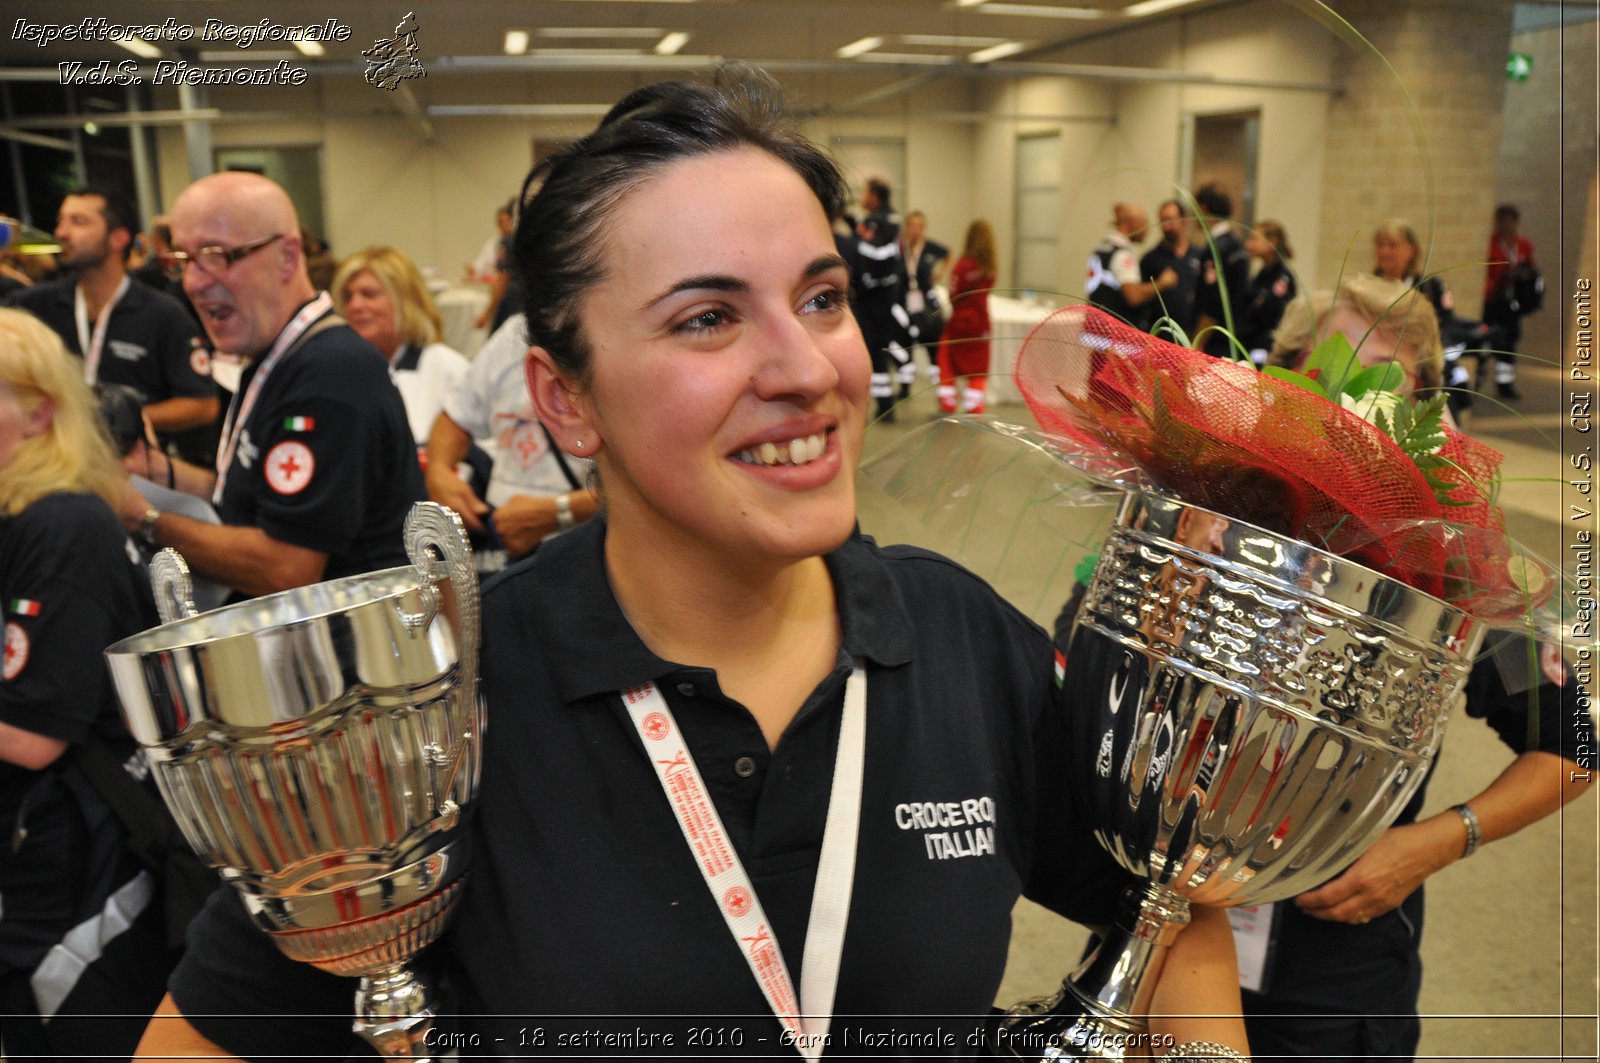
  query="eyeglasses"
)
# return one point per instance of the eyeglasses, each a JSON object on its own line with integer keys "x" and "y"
{"x": 214, "y": 260}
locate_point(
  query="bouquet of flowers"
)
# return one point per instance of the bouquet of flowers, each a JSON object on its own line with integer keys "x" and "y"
{"x": 1333, "y": 456}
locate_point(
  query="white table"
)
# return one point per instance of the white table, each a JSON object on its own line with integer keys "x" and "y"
{"x": 459, "y": 306}
{"x": 1010, "y": 321}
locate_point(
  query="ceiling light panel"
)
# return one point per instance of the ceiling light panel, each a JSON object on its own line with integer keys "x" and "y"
{"x": 1044, "y": 11}
{"x": 999, "y": 51}
{"x": 672, "y": 43}
{"x": 860, "y": 47}
{"x": 602, "y": 32}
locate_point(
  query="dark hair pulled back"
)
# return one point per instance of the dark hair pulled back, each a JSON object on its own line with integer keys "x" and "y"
{"x": 559, "y": 246}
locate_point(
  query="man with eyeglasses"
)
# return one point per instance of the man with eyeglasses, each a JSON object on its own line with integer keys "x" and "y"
{"x": 317, "y": 467}
{"x": 125, "y": 333}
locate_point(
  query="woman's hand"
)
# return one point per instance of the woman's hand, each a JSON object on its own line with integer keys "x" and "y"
{"x": 1399, "y": 861}
{"x": 451, "y": 491}
{"x": 524, "y": 521}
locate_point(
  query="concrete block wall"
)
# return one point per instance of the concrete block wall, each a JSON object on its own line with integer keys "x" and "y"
{"x": 1439, "y": 110}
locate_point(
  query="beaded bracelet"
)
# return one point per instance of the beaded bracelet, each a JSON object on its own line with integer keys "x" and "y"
{"x": 1197, "y": 1051}
{"x": 1469, "y": 819}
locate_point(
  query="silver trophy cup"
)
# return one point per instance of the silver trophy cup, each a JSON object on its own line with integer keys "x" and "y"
{"x": 1248, "y": 714}
{"x": 319, "y": 746}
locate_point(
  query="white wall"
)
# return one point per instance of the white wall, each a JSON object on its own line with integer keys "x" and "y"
{"x": 1136, "y": 157}
{"x": 434, "y": 198}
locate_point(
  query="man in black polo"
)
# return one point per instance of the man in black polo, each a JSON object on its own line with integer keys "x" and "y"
{"x": 126, "y": 333}
{"x": 317, "y": 467}
{"x": 1175, "y": 252}
{"x": 1225, "y": 275}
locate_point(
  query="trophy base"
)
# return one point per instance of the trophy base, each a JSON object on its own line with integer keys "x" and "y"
{"x": 1071, "y": 1025}
{"x": 1095, "y": 1015}
{"x": 394, "y": 1014}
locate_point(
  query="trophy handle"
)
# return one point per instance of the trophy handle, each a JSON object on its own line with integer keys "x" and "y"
{"x": 436, "y": 542}
{"x": 174, "y": 590}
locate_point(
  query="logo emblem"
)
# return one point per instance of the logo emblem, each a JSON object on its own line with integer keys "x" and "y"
{"x": 656, "y": 727}
{"x": 736, "y": 901}
{"x": 289, "y": 468}
{"x": 392, "y": 60}
{"x": 16, "y": 657}
{"x": 200, "y": 361}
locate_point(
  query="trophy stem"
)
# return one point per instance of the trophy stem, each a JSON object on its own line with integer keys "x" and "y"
{"x": 1096, "y": 1013}
{"x": 394, "y": 1014}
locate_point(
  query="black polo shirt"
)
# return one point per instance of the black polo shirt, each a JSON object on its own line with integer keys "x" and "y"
{"x": 1232, "y": 261}
{"x": 1178, "y": 302}
{"x": 152, "y": 343}
{"x": 68, "y": 589}
{"x": 586, "y": 913}
{"x": 325, "y": 459}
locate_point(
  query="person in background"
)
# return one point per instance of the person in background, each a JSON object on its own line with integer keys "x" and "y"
{"x": 83, "y": 953}
{"x": 1347, "y": 970}
{"x": 504, "y": 295}
{"x": 1384, "y": 321}
{"x": 1114, "y": 282}
{"x": 1347, "y": 967}
{"x": 534, "y": 490}
{"x": 155, "y": 271}
{"x": 383, "y": 296}
{"x": 878, "y": 284}
{"x": 321, "y": 264}
{"x": 1512, "y": 288}
{"x": 1397, "y": 256}
{"x": 964, "y": 349}
{"x": 689, "y": 328}
{"x": 927, "y": 264}
{"x": 481, "y": 269}
{"x": 318, "y": 465}
{"x": 1271, "y": 290}
{"x": 1224, "y": 273}
{"x": 125, "y": 333}
{"x": 1175, "y": 251}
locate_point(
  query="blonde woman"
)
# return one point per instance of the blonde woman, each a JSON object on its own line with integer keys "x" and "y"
{"x": 69, "y": 589}
{"x": 380, "y": 292}
{"x": 964, "y": 348}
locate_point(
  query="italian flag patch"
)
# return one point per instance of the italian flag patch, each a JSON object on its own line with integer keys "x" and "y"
{"x": 1061, "y": 668}
{"x": 22, "y": 607}
{"x": 299, "y": 424}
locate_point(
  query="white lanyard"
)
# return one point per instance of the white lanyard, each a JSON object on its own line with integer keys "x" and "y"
{"x": 808, "y": 1016}
{"x": 92, "y": 343}
{"x": 239, "y": 412}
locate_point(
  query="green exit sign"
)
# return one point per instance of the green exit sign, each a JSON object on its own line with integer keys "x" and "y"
{"x": 1519, "y": 66}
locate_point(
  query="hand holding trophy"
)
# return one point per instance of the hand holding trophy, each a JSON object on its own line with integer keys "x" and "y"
{"x": 1264, "y": 661}
{"x": 321, "y": 746}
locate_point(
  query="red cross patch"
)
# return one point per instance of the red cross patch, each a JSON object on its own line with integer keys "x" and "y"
{"x": 1280, "y": 287}
{"x": 16, "y": 657}
{"x": 656, "y": 727}
{"x": 736, "y": 901}
{"x": 289, "y": 467}
{"x": 200, "y": 361}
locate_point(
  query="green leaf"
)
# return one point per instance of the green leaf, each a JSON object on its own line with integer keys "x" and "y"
{"x": 1299, "y": 380}
{"x": 1335, "y": 362}
{"x": 1386, "y": 377}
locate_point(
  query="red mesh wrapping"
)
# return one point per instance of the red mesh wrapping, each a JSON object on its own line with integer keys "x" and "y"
{"x": 1220, "y": 435}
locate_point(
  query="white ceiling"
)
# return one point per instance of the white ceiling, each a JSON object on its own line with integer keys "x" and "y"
{"x": 463, "y": 40}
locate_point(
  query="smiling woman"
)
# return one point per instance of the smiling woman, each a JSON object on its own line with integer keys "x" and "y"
{"x": 721, "y": 665}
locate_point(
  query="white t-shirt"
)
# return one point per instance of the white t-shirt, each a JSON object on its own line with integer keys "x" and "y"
{"x": 439, "y": 370}
{"x": 491, "y": 403}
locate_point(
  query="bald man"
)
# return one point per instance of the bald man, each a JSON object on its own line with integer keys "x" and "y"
{"x": 1114, "y": 283}
{"x": 317, "y": 467}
